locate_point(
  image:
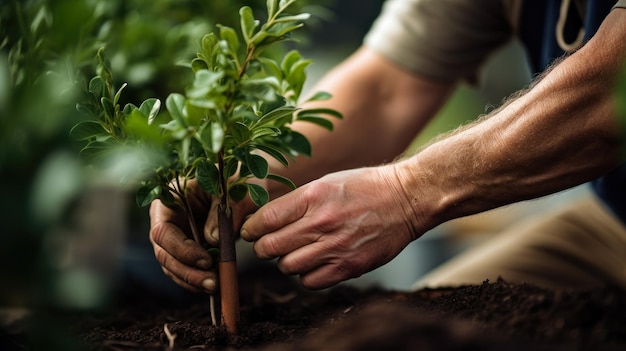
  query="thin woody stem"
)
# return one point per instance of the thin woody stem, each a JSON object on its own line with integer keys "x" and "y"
{"x": 181, "y": 191}
{"x": 229, "y": 289}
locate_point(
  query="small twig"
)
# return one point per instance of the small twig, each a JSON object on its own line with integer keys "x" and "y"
{"x": 170, "y": 337}
{"x": 212, "y": 308}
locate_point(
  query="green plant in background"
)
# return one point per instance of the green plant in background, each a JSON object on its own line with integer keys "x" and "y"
{"x": 241, "y": 102}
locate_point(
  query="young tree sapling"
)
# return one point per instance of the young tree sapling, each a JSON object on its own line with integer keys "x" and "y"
{"x": 241, "y": 103}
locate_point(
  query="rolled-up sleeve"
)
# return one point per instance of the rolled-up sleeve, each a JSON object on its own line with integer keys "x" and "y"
{"x": 441, "y": 39}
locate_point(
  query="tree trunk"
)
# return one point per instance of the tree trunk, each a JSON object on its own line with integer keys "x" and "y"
{"x": 228, "y": 280}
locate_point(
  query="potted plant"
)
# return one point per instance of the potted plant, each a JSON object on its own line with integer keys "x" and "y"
{"x": 241, "y": 103}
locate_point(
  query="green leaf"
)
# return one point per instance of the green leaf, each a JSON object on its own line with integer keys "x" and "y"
{"x": 320, "y": 121}
{"x": 244, "y": 171}
{"x": 136, "y": 126}
{"x": 275, "y": 115}
{"x": 297, "y": 76}
{"x": 167, "y": 198}
{"x": 206, "y": 78}
{"x": 230, "y": 167}
{"x": 257, "y": 165}
{"x": 229, "y": 34}
{"x": 238, "y": 192}
{"x": 284, "y": 4}
{"x": 295, "y": 18}
{"x": 175, "y": 104}
{"x": 321, "y": 110}
{"x": 183, "y": 151}
{"x": 87, "y": 130}
{"x": 97, "y": 149}
{"x": 262, "y": 89}
{"x": 217, "y": 137}
{"x": 279, "y": 30}
{"x": 198, "y": 64}
{"x": 271, "y": 8}
{"x": 320, "y": 96}
{"x": 289, "y": 60}
{"x": 261, "y": 132}
{"x": 258, "y": 194}
{"x": 270, "y": 105}
{"x": 85, "y": 109}
{"x": 150, "y": 108}
{"x": 273, "y": 67}
{"x": 273, "y": 152}
{"x": 248, "y": 23}
{"x": 240, "y": 133}
{"x": 128, "y": 108}
{"x": 297, "y": 142}
{"x": 282, "y": 179}
{"x": 108, "y": 106}
{"x": 208, "y": 177}
{"x": 119, "y": 93}
{"x": 97, "y": 87}
{"x": 148, "y": 193}
{"x": 208, "y": 54}
{"x": 195, "y": 115}
{"x": 313, "y": 116}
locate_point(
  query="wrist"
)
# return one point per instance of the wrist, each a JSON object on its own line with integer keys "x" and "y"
{"x": 410, "y": 190}
{"x": 431, "y": 196}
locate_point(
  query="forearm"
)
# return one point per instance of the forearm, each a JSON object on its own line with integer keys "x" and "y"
{"x": 384, "y": 108}
{"x": 560, "y": 133}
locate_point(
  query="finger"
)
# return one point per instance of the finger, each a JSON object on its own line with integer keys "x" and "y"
{"x": 302, "y": 260}
{"x": 161, "y": 213}
{"x": 274, "y": 215}
{"x": 284, "y": 241}
{"x": 323, "y": 277}
{"x": 184, "y": 275}
{"x": 208, "y": 285}
{"x": 319, "y": 266}
{"x": 172, "y": 240}
{"x": 211, "y": 231}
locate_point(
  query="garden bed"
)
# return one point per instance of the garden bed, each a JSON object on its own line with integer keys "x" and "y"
{"x": 277, "y": 314}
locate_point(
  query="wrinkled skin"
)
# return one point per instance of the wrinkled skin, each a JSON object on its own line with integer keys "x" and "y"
{"x": 334, "y": 228}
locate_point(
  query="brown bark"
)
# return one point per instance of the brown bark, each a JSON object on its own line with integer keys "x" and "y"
{"x": 229, "y": 287}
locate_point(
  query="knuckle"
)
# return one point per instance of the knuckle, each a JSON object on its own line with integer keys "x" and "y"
{"x": 287, "y": 266}
{"x": 267, "y": 247}
{"x": 157, "y": 232}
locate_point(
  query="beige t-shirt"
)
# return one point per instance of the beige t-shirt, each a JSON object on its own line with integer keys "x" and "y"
{"x": 444, "y": 39}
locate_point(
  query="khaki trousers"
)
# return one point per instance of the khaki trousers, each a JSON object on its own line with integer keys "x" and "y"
{"x": 581, "y": 246}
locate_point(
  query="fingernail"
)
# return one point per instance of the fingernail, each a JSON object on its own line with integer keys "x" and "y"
{"x": 215, "y": 234}
{"x": 209, "y": 285}
{"x": 203, "y": 264}
{"x": 244, "y": 234}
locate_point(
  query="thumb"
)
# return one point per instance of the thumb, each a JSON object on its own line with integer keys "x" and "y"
{"x": 211, "y": 231}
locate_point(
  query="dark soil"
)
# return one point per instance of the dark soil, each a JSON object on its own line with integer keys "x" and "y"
{"x": 278, "y": 315}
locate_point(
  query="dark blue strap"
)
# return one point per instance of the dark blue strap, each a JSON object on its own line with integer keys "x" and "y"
{"x": 538, "y": 23}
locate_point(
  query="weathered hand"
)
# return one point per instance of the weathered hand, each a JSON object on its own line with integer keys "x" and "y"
{"x": 181, "y": 257}
{"x": 335, "y": 228}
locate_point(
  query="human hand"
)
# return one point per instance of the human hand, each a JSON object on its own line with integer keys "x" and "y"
{"x": 183, "y": 259}
{"x": 335, "y": 228}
